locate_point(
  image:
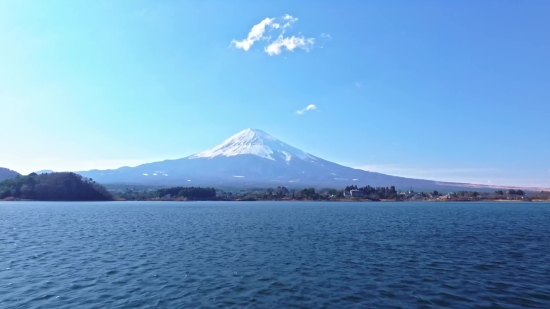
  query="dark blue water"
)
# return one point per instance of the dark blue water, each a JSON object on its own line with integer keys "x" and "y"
{"x": 274, "y": 255}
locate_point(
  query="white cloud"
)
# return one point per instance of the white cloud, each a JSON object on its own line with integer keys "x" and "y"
{"x": 326, "y": 36}
{"x": 310, "y": 107}
{"x": 289, "y": 20}
{"x": 289, "y": 17}
{"x": 281, "y": 42}
{"x": 255, "y": 34}
{"x": 358, "y": 84}
{"x": 289, "y": 43}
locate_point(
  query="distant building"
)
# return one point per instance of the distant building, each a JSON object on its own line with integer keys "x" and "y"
{"x": 356, "y": 193}
{"x": 353, "y": 193}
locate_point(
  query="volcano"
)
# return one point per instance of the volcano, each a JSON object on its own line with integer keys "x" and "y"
{"x": 253, "y": 158}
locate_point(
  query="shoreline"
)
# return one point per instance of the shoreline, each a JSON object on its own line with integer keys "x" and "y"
{"x": 314, "y": 201}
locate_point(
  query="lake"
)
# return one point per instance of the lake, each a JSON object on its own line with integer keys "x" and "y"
{"x": 274, "y": 255}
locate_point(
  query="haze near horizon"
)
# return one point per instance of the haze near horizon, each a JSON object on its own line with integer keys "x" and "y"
{"x": 445, "y": 91}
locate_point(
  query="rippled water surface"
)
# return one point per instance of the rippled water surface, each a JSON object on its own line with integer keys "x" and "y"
{"x": 274, "y": 255}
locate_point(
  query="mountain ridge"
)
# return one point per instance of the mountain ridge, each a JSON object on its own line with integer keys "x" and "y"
{"x": 252, "y": 157}
{"x": 6, "y": 173}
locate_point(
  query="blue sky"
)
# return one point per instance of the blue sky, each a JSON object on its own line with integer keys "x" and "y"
{"x": 448, "y": 90}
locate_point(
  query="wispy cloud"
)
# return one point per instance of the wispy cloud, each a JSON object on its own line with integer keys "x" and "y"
{"x": 255, "y": 34}
{"x": 289, "y": 20}
{"x": 281, "y": 43}
{"x": 325, "y": 37}
{"x": 310, "y": 107}
{"x": 358, "y": 84}
{"x": 288, "y": 43}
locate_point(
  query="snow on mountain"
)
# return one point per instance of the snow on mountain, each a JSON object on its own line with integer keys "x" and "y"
{"x": 253, "y": 158}
{"x": 254, "y": 142}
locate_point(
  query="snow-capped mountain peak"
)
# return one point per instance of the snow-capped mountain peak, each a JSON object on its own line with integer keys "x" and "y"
{"x": 254, "y": 142}
{"x": 253, "y": 158}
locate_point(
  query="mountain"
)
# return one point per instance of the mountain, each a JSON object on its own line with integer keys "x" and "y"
{"x": 254, "y": 158}
{"x": 44, "y": 172}
{"x": 7, "y": 174}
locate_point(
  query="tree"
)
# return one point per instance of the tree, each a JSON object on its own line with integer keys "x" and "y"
{"x": 515, "y": 192}
{"x": 374, "y": 197}
{"x": 281, "y": 191}
{"x": 307, "y": 193}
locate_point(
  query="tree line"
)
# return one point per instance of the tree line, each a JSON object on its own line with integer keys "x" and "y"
{"x": 510, "y": 192}
{"x": 190, "y": 193}
{"x": 54, "y": 187}
{"x": 375, "y": 193}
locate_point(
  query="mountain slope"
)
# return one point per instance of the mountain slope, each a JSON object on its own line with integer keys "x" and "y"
{"x": 253, "y": 158}
{"x": 7, "y": 174}
{"x": 254, "y": 142}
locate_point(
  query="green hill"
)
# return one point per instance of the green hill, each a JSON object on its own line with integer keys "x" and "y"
{"x": 54, "y": 187}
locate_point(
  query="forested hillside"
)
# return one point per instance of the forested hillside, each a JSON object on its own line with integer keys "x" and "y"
{"x": 54, "y": 187}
